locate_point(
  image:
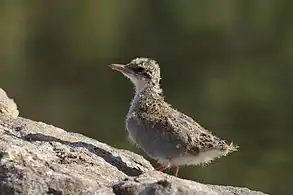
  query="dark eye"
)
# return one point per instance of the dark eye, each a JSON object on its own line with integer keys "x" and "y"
{"x": 138, "y": 69}
{"x": 146, "y": 75}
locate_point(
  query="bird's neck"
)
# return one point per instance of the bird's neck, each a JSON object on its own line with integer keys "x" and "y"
{"x": 148, "y": 93}
{"x": 143, "y": 85}
{"x": 147, "y": 90}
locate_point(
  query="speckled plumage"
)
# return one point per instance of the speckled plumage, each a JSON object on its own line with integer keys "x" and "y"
{"x": 165, "y": 134}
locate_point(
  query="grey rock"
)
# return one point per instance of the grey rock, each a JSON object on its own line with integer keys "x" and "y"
{"x": 36, "y": 158}
{"x": 7, "y": 105}
{"x": 154, "y": 182}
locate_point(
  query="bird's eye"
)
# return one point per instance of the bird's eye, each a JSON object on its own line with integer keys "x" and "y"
{"x": 138, "y": 69}
{"x": 147, "y": 75}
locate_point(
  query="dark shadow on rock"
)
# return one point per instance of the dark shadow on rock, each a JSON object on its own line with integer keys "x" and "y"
{"x": 107, "y": 156}
{"x": 130, "y": 187}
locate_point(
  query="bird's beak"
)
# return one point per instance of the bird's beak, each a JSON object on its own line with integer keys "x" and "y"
{"x": 121, "y": 68}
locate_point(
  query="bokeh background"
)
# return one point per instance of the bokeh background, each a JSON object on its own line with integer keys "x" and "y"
{"x": 228, "y": 64}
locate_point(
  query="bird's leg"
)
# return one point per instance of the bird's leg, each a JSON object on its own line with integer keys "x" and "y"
{"x": 163, "y": 167}
{"x": 175, "y": 170}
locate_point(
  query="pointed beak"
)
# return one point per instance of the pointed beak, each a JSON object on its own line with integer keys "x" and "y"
{"x": 121, "y": 68}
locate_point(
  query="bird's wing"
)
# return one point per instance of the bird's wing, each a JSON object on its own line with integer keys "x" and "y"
{"x": 180, "y": 129}
{"x": 193, "y": 135}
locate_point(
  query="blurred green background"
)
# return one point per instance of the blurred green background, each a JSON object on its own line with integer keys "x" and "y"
{"x": 228, "y": 64}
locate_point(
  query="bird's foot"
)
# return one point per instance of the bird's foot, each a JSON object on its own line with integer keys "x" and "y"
{"x": 163, "y": 167}
{"x": 174, "y": 169}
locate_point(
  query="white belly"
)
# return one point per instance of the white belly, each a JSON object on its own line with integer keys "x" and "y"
{"x": 201, "y": 158}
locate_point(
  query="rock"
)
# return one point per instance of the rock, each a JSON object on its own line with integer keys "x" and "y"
{"x": 36, "y": 158}
{"x": 153, "y": 182}
{"x": 7, "y": 105}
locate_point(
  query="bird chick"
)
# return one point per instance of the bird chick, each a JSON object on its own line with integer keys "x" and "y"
{"x": 162, "y": 132}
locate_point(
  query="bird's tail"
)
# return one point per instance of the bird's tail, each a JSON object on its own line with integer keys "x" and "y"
{"x": 233, "y": 147}
{"x": 227, "y": 148}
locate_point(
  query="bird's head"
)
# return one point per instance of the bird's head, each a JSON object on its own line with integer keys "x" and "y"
{"x": 143, "y": 72}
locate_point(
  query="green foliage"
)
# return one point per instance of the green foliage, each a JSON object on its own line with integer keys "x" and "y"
{"x": 228, "y": 64}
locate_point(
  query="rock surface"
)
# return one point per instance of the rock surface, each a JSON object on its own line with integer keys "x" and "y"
{"x": 36, "y": 158}
{"x": 7, "y": 106}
